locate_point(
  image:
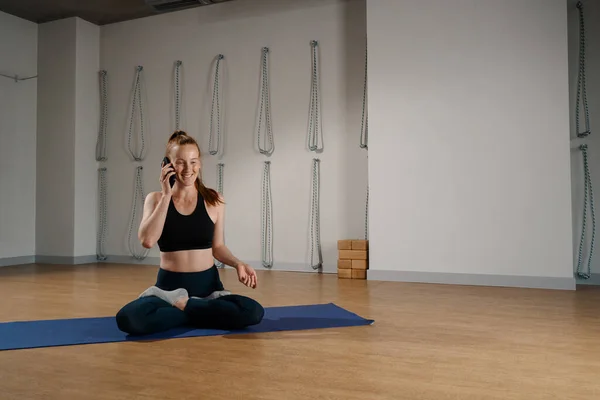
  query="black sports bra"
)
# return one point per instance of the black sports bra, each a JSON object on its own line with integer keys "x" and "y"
{"x": 187, "y": 232}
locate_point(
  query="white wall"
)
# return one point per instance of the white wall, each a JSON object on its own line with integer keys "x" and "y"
{"x": 469, "y": 146}
{"x": 18, "y": 54}
{"x": 239, "y": 30}
{"x": 592, "y": 27}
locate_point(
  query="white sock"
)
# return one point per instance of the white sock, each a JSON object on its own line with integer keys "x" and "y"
{"x": 170, "y": 297}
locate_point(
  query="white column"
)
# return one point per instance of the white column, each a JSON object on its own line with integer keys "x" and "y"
{"x": 68, "y": 62}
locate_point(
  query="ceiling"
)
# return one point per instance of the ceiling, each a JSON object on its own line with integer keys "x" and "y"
{"x": 99, "y": 12}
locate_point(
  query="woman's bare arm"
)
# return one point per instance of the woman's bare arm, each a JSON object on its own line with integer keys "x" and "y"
{"x": 156, "y": 206}
{"x": 220, "y": 251}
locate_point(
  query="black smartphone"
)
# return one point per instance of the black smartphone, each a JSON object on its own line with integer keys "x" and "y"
{"x": 166, "y": 161}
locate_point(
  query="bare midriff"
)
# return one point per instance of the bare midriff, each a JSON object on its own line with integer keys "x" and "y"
{"x": 187, "y": 260}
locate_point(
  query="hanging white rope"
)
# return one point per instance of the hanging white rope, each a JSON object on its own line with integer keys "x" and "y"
{"x": 100, "y": 255}
{"x": 314, "y": 124}
{"x": 364, "y": 125}
{"x": 101, "y": 156}
{"x": 588, "y": 190}
{"x": 367, "y": 215}
{"x": 581, "y": 85}
{"x": 588, "y": 195}
{"x": 138, "y": 195}
{"x": 364, "y": 139}
{"x": 315, "y": 217}
{"x": 216, "y": 103}
{"x": 137, "y": 98}
{"x": 267, "y": 218}
{"x": 268, "y": 147}
{"x": 220, "y": 168}
{"x": 101, "y": 142}
{"x": 177, "y": 94}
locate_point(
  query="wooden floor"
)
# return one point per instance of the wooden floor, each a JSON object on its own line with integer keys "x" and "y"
{"x": 429, "y": 342}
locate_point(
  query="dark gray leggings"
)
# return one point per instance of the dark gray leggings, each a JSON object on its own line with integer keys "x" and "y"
{"x": 150, "y": 314}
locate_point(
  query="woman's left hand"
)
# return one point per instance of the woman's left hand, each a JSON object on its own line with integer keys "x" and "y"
{"x": 247, "y": 275}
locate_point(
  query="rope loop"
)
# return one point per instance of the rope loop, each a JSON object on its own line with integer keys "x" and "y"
{"x": 267, "y": 218}
{"x": 367, "y": 215}
{"x": 364, "y": 125}
{"x": 178, "y": 64}
{"x": 101, "y": 141}
{"x": 220, "y": 168}
{"x": 216, "y": 104}
{"x": 588, "y": 195}
{"x": 315, "y": 139}
{"x": 138, "y": 195}
{"x": 137, "y": 98}
{"x": 581, "y": 80}
{"x": 101, "y": 235}
{"x": 315, "y": 218}
{"x": 588, "y": 192}
{"x": 268, "y": 147}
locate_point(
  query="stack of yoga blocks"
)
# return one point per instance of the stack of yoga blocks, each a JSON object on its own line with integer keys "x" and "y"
{"x": 353, "y": 258}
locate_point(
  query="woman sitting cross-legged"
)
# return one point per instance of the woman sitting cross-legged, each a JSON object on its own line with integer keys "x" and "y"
{"x": 186, "y": 220}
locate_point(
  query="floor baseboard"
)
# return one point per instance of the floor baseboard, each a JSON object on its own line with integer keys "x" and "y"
{"x": 529, "y": 282}
{"x": 10, "y": 261}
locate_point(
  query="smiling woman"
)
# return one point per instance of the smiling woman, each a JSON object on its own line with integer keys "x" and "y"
{"x": 186, "y": 220}
{"x": 184, "y": 152}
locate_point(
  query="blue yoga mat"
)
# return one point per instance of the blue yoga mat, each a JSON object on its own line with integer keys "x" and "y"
{"x": 67, "y": 332}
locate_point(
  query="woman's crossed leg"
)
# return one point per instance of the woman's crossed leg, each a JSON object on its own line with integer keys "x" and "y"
{"x": 152, "y": 314}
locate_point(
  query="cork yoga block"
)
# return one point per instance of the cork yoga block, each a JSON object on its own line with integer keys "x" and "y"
{"x": 359, "y": 274}
{"x": 345, "y": 273}
{"x": 360, "y": 245}
{"x": 353, "y": 255}
{"x": 358, "y": 264}
{"x": 353, "y": 244}
{"x": 345, "y": 244}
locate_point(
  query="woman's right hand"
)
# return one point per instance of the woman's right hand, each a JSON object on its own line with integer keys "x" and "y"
{"x": 166, "y": 173}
